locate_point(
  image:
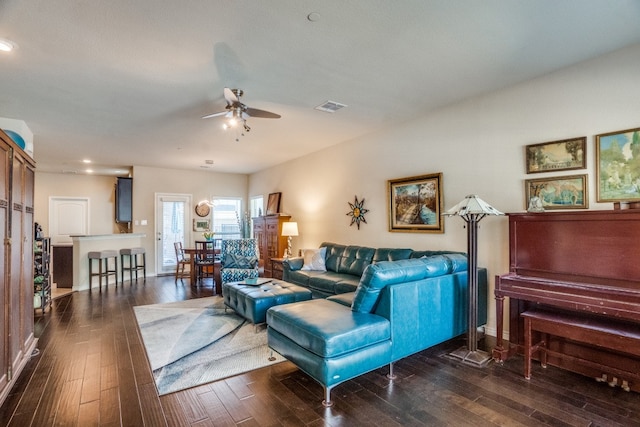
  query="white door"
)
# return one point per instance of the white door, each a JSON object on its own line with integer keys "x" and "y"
{"x": 172, "y": 225}
{"x": 68, "y": 216}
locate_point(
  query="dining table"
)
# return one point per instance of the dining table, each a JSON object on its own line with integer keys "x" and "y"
{"x": 193, "y": 277}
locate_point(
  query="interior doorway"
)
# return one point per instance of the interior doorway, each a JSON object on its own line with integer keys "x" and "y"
{"x": 172, "y": 225}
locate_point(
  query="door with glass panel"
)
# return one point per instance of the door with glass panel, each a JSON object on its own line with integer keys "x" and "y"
{"x": 172, "y": 225}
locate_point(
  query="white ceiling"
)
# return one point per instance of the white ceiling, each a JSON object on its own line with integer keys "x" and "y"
{"x": 126, "y": 82}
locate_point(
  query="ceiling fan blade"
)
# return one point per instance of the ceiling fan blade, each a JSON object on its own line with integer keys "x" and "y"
{"x": 254, "y": 112}
{"x": 230, "y": 96}
{"x": 221, "y": 113}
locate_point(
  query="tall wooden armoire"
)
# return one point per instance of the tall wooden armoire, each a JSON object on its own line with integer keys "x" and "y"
{"x": 267, "y": 230}
{"x": 16, "y": 267}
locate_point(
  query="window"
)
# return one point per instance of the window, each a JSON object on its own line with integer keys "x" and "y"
{"x": 256, "y": 205}
{"x": 227, "y": 218}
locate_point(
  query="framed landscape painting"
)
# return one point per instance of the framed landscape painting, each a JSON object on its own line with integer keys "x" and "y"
{"x": 618, "y": 166}
{"x": 415, "y": 204}
{"x": 560, "y": 192}
{"x": 557, "y": 155}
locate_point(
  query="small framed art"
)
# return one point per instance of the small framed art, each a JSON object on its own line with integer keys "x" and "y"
{"x": 560, "y": 192}
{"x": 200, "y": 224}
{"x": 557, "y": 155}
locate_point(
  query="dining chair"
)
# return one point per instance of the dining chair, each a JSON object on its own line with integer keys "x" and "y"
{"x": 239, "y": 260}
{"x": 204, "y": 259}
{"x": 181, "y": 261}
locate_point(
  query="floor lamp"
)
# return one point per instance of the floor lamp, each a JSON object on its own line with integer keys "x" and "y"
{"x": 472, "y": 209}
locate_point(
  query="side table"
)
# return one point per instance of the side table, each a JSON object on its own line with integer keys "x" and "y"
{"x": 276, "y": 268}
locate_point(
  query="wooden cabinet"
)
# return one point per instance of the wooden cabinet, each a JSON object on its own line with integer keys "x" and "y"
{"x": 63, "y": 266}
{"x": 268, "y": 231}
{"x": 16, "y": 267}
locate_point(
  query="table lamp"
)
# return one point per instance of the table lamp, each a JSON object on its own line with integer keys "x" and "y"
{"x": 289, "y": 229}
{"x": 472, "y": 209}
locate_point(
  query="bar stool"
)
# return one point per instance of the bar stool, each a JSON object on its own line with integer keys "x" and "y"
{"x": 103, "y": 266}
{"x": 134, "y": 264}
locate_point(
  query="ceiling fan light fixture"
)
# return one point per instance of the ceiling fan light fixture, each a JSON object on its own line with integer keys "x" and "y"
{"x": 6, "y": 45}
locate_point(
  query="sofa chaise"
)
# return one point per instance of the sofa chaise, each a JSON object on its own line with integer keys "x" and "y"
{"x": 398, "y": 308}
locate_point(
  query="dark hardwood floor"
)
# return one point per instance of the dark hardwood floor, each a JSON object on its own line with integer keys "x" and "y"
{"x": 92, "y": 371}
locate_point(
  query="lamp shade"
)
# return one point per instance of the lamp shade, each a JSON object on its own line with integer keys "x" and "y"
{"x": 471, "y": 205}
{"x": 290, "y": 228}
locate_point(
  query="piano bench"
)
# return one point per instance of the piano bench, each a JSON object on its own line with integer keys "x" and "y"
{"x": 605, "y": 333}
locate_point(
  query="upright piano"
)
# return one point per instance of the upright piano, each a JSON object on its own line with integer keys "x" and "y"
{"x": 583, "y": 262}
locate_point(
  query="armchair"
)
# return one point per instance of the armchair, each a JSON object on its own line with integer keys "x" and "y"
{"x": 239, "y": 260}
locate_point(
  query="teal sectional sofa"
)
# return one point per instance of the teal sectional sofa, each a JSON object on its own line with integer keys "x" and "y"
{"x": 344, "y": 267}
{"x": 398, "y": 308}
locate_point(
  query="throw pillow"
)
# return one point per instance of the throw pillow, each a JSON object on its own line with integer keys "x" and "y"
{"x": 238, "y": 261}
{"x": 314, "y": 259}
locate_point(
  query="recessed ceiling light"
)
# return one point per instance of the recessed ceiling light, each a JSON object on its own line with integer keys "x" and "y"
{"x": 86, "y": 161}
{"x": 7, "y": 45}
{"x": 89, "y": 170}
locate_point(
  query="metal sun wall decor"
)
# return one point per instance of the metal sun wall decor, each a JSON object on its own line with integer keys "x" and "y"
{"x": 357, "y": 212}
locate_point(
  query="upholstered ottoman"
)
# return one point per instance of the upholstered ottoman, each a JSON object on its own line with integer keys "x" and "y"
{"x": 253, "y": 301}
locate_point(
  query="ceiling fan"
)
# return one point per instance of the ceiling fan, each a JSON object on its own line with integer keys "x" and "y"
{"x": 237, "y": 113}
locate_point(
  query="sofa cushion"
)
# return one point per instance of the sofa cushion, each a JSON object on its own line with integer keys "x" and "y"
{"x": 327, "y": 328}
{"x": 325, "y": 282}
{"x": 333, "y": 256}
{"x": 355, "y": 259}
{"x": 458, "y": 262}
{"x": 314, "y": 259}
{"x": 422, "y": 254}
{"x": 347, "y": 284}
{"x": 345, "y": 299}
{"x": 391, "y": 254}
{"x": 384, "y": 273}
{"x": 302, "y": 277}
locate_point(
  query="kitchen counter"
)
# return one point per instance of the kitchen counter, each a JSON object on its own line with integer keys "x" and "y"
{"x": 82, "y": 245}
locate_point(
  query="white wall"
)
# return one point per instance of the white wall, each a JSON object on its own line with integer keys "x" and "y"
{"x": 99, "y": 189}
{"x": 146, "y": 182}
{"x": 478, "y": 145}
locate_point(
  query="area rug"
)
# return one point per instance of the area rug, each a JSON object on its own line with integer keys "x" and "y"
{"x": 194, "y": 342}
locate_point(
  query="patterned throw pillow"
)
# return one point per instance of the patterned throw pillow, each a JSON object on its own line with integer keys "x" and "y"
{"x": 238, "y": 261}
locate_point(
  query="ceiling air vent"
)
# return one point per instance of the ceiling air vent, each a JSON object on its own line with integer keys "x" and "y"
{"x": 330, "y": 107}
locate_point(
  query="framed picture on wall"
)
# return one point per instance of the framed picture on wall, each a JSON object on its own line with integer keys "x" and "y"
{"x": 202, "y": 225}
{"x": 416, "y": 203}
{"x": 557, "y": 155}
{"x": 560, "y": 192}
{"x": 618, "y": 166}
{"x": 273, "y": 203}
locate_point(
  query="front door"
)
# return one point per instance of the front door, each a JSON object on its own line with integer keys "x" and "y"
{"x": 172, "y": 225}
